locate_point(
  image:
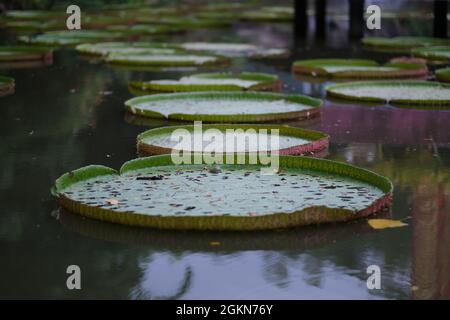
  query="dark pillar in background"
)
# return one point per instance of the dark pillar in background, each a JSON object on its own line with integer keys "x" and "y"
{"x": 320, "y": 12}
{"x": 440, "y": 8}
{"x": 301, "y": 18}
{"x": 356, "y": 14}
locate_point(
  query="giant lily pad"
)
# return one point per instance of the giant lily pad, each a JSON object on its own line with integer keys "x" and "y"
{"x": 38, "y": 15}
{"x": 443, "y": 74}
{"x": 34, "y": 26}
{"x": 24, "y": 53}
{"x": 212, "y": 81}
{"x": 140, "y": 29}
{"x": 439, "y": 53}
{"x": 402, "y": 43}
{"x": 105, "y": 48}
{"x": 270, "y": 14}
{"x": 233, "y": 106}
{"x": 152, "y": 192}
{"x": 393, "y": 92}
{"x": 235, "y": 49}
{"x": 292, "y": 141}
{"x": 180, "y": 59}
{"x": 6, "y": 85}
{"x": 72, "y": 37}
{"x": 358, "y": 68}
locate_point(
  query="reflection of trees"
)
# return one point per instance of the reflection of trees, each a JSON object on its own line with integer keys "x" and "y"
{"x": 428, "y": 181}
{"x": 430, "y": 203}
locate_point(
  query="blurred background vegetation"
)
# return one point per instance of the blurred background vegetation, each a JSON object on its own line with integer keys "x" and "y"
{"x": 54, "y": 4}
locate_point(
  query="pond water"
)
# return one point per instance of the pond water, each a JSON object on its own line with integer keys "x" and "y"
{"x": 71, "y": 114}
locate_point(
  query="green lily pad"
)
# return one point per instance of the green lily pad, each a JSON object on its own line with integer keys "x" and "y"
{"x": 140, "y": 29}
{"x": 180, "y": 59}
{"x": 408, "y": 59}
{"x": 292, "y": 141}
{"x": 6, "y": 85}
{"x": 394, "y": 92}
{"x": 152, "y": 192}
{"x": 225, "y": 81}
{"x": 24, "y": 53}
{"x": 357, "y": 68}
{"x": 105, "y": 48}
{"x": 402, "y": 43}
{"x": 443, "y": 74}
{"x": 72, "y": 37}
{"x": 226, "y": 6}
{"x": 34, "y": 26}
{"x": 270, "y": 14}
{"x": 439, "y": 53}
{"x": 233, "y": 106}
{"x": 235, "y": 49}
{"x": 38, "y": 15}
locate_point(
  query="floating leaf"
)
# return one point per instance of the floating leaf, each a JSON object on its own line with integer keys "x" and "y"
{"x": 105, "y": 48}
{"x": 443, "y": 74}
{"x": 293, "y": 141}
{"x": 438, "y": 53}
{"x": 234, "y": 49}
{"x": 190, "y": 197}
{"x": 225, "y": 81}
{"x": 419, "y": 93}
{"x": 151, "y": 59}
{"x": 24, "y": 53}
{"x": 358, "y": 68}
{"x": 385, "y": 223}
{"x": 233, "y": 106}
{"x": 72, "y": 37}
{"x": 403, "y": 44}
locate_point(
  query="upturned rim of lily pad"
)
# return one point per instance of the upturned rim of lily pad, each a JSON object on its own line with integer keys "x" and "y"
{"x": 71, "y": 38}
{"x": 258, "y": 52}
{"x": 126, "y": 60}
{"x": 35, "y": 15}
{"x": 266, "y": 82}
{"x": 104, "y": 48}
{"x": 7, "y": 85}
{"x": 443, "y": 74}
{"x": 25, "y": 53}
{"x": 402, "y": 42}
{"x": 313, "y": 103}
{"x": 404, "y": 102}
{"x": 318, "y": 141}
{"x": 432, "y": 53}
{"x": 315, "y": 67}
{"x": 275, "y": 220}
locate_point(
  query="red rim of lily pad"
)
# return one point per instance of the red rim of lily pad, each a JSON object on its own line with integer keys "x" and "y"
{"x": 318, "y": 140}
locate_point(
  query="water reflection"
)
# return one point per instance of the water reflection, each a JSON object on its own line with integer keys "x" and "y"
{"x": 180, "y": 264}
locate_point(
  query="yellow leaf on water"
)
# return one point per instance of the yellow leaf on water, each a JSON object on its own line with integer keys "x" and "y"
{"x": 385, "y": 223}
{"x": 214, "y": 243}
